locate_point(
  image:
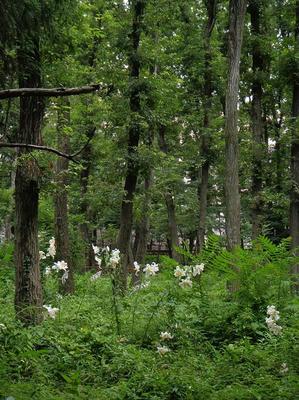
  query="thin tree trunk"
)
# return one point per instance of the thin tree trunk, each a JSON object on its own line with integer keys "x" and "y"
{"x": 126, "y": 217}
{"x": 172, "y": 225}
{"x": 237, "y": 9}
{"x": 28, "y": 290}
{"x": 257, "y": 124}
{"x": 144, "y": 226}
{"x": 86, "y": 233}
{"x": 205, "y": 139}
{"x": 294, "y": 193}
{"x": 60, "y": 200}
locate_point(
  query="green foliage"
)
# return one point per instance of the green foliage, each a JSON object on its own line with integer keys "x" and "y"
{"x": 221, "y": 347}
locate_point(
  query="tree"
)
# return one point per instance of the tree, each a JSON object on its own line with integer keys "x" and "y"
{"x": 256, "y": 114}
{"x": 60, "y": 197}
{"x": 205, "y": 139}
{"x": 126, "y": 217}
{"x": 28, "y": 292}
{"x": 294, "y": 192}
{"x": 237, "y": 9}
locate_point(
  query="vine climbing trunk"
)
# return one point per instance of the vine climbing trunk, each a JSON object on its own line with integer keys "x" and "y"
{"x": 28, "y": 290}
{"x": 60, "y": 199}
{"x": 237, "y": 9}
{"x": 126, "y": 217}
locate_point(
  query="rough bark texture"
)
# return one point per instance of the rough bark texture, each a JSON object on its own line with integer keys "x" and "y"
{"x": 205, "y": 139}
{"x": 294, "y": 194}
{"x": 28, "y": 291}
{"x": 237, "y": 10}
{"x": 126, "y": 217}
{"x": 172, "y": 225}
{"x": 60, "y": 200}
{"x": 257, "y": 124}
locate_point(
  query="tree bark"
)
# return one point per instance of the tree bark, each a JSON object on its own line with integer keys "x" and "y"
{"x": 257, "y": 124}
{"x": 126, "y": 217}
{"x": 47, "y": 92}
{"x": 294, "y": 193}
{"x": 205, "y": 139}
{"x": 60, "y": 199}
{"x": 28, "y": 290}
{"x": 172, "y": 225}
{"x": 237, "y": 9}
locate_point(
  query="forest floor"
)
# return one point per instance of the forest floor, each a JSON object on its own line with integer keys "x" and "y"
{"x": 218, "y": 347}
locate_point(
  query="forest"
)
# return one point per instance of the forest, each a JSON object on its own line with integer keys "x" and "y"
{"x": 149, "y": 199}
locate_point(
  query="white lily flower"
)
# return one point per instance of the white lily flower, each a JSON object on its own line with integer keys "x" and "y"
{"x": 185, "y": 283}
{"x": 271, "y": 310}
{"x": 42, "y": 255}
{"x": 198, "y": 269}
{"x": 166, "y": 335}
{"x": 60, "y": 266}
{"x": 136, "y": 268}
{"x": 96, "y": 249}
{"x": 179, "y": 272}
{"x": 150, "y": 269}
{"x": 52, "y": 248}
{"x": 64, "y": 277}
{"x": 51, "y": 311}
{"x": 162, "y": 350}
{"x": 115, "y": 257}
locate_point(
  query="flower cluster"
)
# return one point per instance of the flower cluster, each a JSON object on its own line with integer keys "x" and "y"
{"x": 186, "y": 273}
{"x": 59, "y": 266}
{"x": 51, "y": 311}
{"x": 162, "y": 350}
{"x": 51, "y": 248}
{"x": 115, "y": 257}
{"x": 271, "y": 320}
{"x": 96, "y": 251}
{"x": 150, "y": 269}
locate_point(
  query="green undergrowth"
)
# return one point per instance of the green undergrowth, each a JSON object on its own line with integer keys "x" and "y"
{"x": 221, "y": 347}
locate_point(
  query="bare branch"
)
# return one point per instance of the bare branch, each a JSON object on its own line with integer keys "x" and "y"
{"x": 37, "y": 147}
{"x": 56, "y": 92}
{"x": 90, "y": 136}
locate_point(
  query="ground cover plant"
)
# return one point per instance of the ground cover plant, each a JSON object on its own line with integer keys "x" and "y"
{"x": 177, "y": 334}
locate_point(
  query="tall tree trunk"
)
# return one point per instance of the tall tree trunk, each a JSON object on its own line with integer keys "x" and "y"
{"x": 237, "y": 9}
{"x": 257, "y": 124}
{"x": 294, "y": 194}
{"x": 172, "y": 225}
{"x": 60, "y": 200}
{"x": 28, "y": 290}
{"x": 86, "y": 233}
{"x": 205, "y": 139}
{"x": 126, "y": 217}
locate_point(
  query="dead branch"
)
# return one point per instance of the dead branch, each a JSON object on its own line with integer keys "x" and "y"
{"x": 52, "y": 92}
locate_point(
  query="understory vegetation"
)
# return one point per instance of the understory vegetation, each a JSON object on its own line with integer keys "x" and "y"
{"x": 159, "y": 340}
